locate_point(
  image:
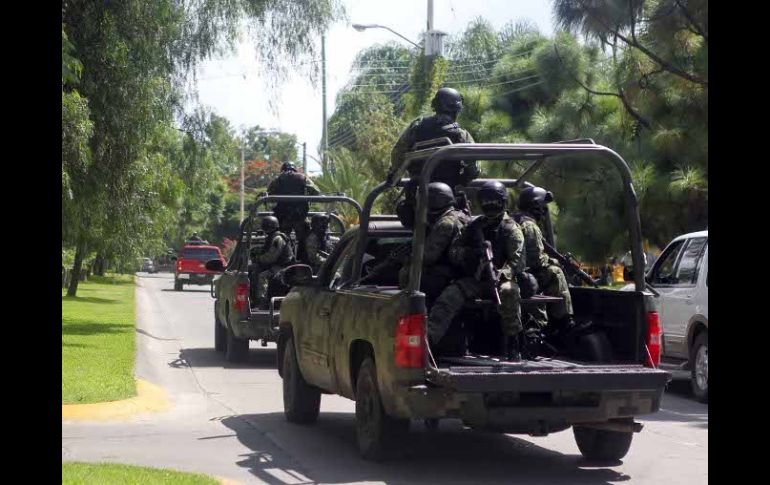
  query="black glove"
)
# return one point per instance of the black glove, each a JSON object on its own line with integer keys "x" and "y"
{"x": 527, "y": 284}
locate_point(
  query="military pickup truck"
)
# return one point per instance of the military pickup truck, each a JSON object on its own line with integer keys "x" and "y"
{"x": 240, "y": 314}
{"x": 351, "y": 332}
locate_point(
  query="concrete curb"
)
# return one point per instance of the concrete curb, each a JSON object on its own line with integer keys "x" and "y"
{"x": 149, "y": 399}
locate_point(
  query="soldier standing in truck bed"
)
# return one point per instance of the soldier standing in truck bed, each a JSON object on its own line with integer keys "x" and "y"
{"x": 447, "y": 103}
{"x": 291, "y": 215}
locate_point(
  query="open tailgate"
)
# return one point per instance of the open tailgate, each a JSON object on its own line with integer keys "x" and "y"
{"x": 465, "y": 374}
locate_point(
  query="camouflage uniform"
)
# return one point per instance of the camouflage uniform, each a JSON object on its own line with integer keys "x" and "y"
{"x": 549, "y": 275}
{"x": 275, "y": 255}
{"x": 314, "y": 245}
{"x": 437, "y": 270}
{"x": 508, "y": 248}
{"x": 291, "y": 215}
{"x": 451, "y": 173}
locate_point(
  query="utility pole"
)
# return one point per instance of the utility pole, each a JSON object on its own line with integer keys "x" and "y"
{"x": 434, "y": 39}
{"x": 304, "y": 157}
{"x": 324, "y": 141}
{"x": 243, "y": 181}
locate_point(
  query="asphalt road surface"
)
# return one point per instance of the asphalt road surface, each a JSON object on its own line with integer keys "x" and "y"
{"x": 227, "y": 421}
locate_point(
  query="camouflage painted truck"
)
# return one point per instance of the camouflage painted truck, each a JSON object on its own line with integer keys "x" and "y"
{"x": 352, "y": 331}
{"x": 240, "y": 313}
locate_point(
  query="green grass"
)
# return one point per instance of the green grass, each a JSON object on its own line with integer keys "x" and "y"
{"x": 105, "y": 473}
{"x": 97, "y": 341}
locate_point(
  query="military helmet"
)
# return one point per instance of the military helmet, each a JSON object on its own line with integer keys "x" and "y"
{"x": 319, "y": 222}
{"x": 493, "y": 196}
{"x": 288, "y": 167}
{"x": 269, "y": 224}
{"x": 440, "y": 196}
{"x": 534, "y": 200}
{"x": 447, "y": 100}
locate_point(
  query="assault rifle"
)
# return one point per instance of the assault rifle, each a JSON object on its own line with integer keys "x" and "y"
{"x": 396, "y": 256}
{"x": 569, "y": 263}
{"x": 486, "y": 272}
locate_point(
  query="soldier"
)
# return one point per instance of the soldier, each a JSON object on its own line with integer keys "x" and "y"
{"x": 550, "y": 277}
{"x": 447, "y": 103}
{"x": 276, "y": 254}
{"x": 444, "y": 225}
{"x": 318, "y": 243}
{"x": 507, "y": 242}
{"x": 291, "y": 215}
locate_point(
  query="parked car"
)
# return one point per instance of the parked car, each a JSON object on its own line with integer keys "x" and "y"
{"x": 190, "y": 266}
{"x": 148, "y": 266}
{"x": 680, "y": 275}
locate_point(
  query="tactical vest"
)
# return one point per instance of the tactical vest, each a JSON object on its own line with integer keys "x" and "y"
{"x": 498, "y": 235}
{"x": 521, "y": 217}
{"x": 287, "y": 256}
{"x": 290, "y": 183}
{"x": 438, "y": 126}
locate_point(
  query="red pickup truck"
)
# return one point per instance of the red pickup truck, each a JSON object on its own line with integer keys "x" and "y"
{"x": 190, "y": 266}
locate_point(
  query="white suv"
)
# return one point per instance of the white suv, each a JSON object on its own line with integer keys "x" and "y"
{"x": 680, "y": 275}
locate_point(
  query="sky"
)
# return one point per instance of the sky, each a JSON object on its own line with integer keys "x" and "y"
{"x": 232, "y": 86}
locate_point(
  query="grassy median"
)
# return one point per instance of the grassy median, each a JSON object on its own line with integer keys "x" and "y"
{"x": 98, "y": 341}
{"x": 99, "y": 473}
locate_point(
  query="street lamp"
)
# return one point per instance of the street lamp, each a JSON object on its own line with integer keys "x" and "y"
{"x": 362, "y": 27}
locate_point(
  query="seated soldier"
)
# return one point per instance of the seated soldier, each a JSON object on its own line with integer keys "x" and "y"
{"x": 275, "y": 255}
{"x": 444, "y": 225}
{"x": 318, "y": 244}
{"x": 550, "y": 276}
{"x": 507, "y": 245}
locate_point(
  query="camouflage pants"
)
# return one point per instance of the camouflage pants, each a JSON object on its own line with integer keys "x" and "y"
{"x": 552, "y": 282}
{"x": 263, "y": 280}
{"x": 454, "y": 297}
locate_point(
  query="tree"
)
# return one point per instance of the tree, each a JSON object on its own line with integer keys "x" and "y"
{"x": 132, "y": 60}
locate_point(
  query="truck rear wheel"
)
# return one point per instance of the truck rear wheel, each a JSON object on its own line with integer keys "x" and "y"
{"x": 602, "y": 444}
{"x": 301, "y": 401}
{"x": 376, "y": 431}
{"x": 220, "y": 338}
{"x": 699, "y": 365}
{"x": 236, "y": 349}
{"x": 178, "y": 285}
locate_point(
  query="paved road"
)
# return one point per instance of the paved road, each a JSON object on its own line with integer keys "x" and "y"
{"x": 227, "y": 420}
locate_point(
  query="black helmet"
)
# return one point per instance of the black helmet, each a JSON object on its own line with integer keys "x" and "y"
{"x": 319, "y": 222}
{"x": 269, "y": 224}
{"x": 440, "y": 196}
{"x": 288, "y": 167}
{"x": 534, "y": 200}
{"x": 493, "y": 196}
{"x": 447, "y": 100}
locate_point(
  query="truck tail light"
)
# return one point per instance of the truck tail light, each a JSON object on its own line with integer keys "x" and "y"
{"x": 242, "y": 297}
{"x": 653, "y": 339}
{"x": 178, "y": 266}
{"x": 410, "y": 335}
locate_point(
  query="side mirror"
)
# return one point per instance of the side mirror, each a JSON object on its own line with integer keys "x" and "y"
{"x": 297, "y": 275}
{"x": 215, "y": 265}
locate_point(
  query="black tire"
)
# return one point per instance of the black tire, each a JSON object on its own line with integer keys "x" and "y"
{"x": 236, "y": 349}
{"x": 377, "y": 432}
{"x": 178, "y": 285}
{"x": 301, "y": 401}
{"x": 700, "y": 388}
{"x": 602, "y": 444}
{"x": 220, "y": 336}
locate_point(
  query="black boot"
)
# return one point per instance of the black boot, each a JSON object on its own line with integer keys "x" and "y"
{"x": 511, "y": 349}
